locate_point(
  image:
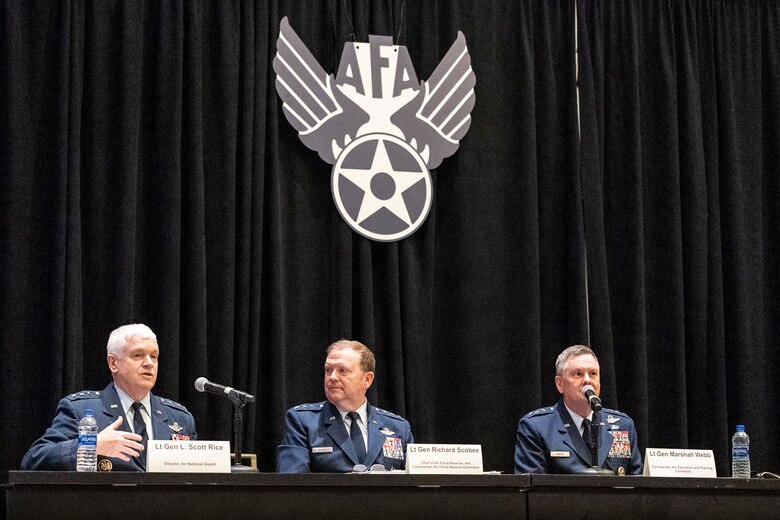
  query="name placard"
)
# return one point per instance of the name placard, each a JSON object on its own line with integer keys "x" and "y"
{"x": 443, "y": 458}
{"x": 665, "y": 462}
{"x": 164, "y": 456}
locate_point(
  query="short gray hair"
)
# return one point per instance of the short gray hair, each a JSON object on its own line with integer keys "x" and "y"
{"x": 574, "y": 350}
{"x": 126, "y": 334}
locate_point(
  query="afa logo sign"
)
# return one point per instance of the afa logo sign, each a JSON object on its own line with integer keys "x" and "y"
{"x": 380, "y": 128}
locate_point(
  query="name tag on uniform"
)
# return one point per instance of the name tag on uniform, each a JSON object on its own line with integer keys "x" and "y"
{"x": 322, "y": 449}
{"x": 561, "y": 454}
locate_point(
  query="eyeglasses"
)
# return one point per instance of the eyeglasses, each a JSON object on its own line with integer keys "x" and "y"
{"x": 362, "y": 468}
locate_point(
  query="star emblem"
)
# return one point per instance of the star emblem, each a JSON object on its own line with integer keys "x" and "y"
{"x": 409, "y": 125}
{"x": 383, "y": 185}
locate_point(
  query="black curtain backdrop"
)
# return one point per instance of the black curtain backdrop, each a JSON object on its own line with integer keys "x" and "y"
{"x": 147, "y": 174}
{"x": 680, "y": 164}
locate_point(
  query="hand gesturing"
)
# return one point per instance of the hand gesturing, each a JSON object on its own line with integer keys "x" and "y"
{"x": 112, "y": 442}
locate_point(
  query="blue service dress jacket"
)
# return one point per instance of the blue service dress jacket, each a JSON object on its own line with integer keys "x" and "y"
{"x": 548, "y": 442}
{"x": 56, "y": 449}
{"x": 316, "y": 440}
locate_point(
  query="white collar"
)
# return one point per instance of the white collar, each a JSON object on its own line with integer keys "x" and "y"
{"x": 577, "y": 418}
{"x": 127, "y": 401}
{"x": 362, "y": 412}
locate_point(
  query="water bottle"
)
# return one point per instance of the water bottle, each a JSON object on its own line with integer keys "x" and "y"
{"x": 740, "y": 453}
{"x": 86, "y": 454}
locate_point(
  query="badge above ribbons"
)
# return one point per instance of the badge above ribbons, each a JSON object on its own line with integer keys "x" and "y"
{"x": 381, "y": 129}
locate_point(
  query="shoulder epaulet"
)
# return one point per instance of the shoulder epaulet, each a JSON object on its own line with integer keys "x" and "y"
{"x": 308, "y": 407}
{"x": 380, "y": 411}
{"x": 173, "y": 404}
{"x": 85, "y": 394}
{"x": 547, "y": 410}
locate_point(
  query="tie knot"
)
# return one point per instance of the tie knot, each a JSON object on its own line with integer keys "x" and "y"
{"x": 586, "y": 422}
{"x": 353, "y": 415}
{"x": 137, "y": 406}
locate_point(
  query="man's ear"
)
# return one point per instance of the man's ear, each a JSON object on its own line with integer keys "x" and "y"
{"x": 559, "y": 384}
{"x": 369, "y": 378}
{"x": 112, "y": 363}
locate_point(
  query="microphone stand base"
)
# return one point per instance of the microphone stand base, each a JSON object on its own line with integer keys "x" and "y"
{"x": 240, "y": 468}
{"x": 596, "y": 471}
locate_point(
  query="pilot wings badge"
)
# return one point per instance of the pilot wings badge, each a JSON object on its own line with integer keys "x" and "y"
{"x": 380, "y": 128}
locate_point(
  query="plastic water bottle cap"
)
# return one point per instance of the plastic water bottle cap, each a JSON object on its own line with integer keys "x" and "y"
{"x": 740, "y": 427}
{"x": 88, "y": 411}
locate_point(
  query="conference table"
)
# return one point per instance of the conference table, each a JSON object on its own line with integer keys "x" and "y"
{"x": 64, "y": 495}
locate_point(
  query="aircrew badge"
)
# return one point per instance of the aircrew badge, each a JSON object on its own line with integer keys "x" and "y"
{"x": 175, "y": 427}
{"x": 386, "y": 431}
{"x": 105, "y": 465}
{"x": 612, "y": 419}
{"x": 393, "y": 448}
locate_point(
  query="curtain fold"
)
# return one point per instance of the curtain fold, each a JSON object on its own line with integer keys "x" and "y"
{"x": 149, "y": 175}
{"x": 679, "y": 149}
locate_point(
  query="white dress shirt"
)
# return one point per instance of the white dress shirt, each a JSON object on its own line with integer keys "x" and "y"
{"x": 362, "y": 423}
{"x": 127, "y": 406}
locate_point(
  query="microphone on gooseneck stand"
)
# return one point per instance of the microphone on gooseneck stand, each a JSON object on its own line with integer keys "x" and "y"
{"x": 595, "y": 431}
{"x": 590, "y": 394}
{"x": 239, "y": 400}
{"x": 204, "y": 385}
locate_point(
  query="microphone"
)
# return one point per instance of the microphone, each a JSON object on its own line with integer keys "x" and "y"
{"x": 590, "y": 394}
{"x": 204, "y": 385}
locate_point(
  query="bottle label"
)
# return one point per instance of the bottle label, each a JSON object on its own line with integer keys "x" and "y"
{"x": 740, "y": 453}
{"x": 88, "y": 440}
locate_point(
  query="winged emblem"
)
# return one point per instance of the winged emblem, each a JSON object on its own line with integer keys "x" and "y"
{"x": 381, "y": 128}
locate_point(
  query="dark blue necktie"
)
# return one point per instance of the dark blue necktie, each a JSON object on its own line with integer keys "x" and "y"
{"x": 139, "y": 426}
{"x": 586, "y": 436}
{"x": 357, "y": 438}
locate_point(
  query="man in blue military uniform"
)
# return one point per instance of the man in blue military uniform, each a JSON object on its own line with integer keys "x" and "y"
{"x": 125, "y": 403}
{"x": 345, "y": 431}
{"x": 550, "y": 439}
